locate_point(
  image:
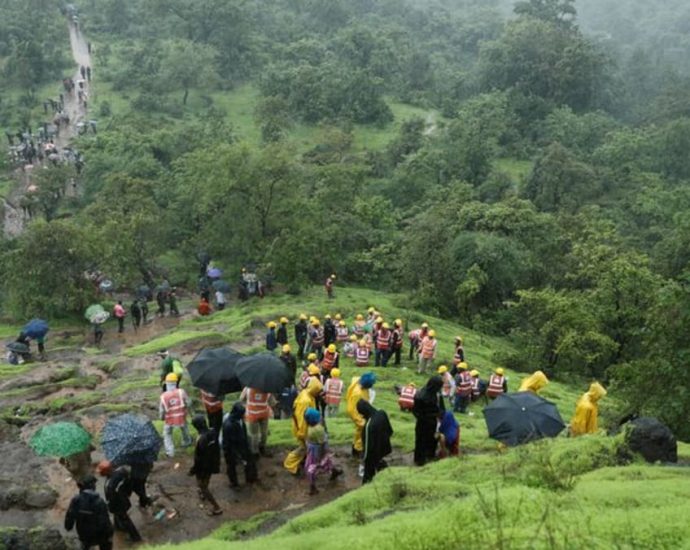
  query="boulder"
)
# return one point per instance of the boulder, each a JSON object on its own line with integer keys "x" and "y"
{"x": 652, "y": 439}
{"x": 39, "y": 538}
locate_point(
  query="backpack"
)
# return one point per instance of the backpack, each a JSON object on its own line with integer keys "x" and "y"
{"x": 177, "y": 367}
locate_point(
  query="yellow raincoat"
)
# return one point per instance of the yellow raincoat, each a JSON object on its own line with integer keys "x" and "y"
{"x": 354, "y": 393}
{"x": 534, "y": 382}
{"x": 585, "y": 419}
{"x": 305, "y": 399}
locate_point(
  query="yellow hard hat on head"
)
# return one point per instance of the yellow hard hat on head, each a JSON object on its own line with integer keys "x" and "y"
{"x": 442, "y": 369}
{"x": 386, "y": 326}
{"x": 432, "y": 334}
{"x": 398, "y": 322}
{"x": 311, "y": 357}
{"x": 302, "y": 317}
{"x": 379, "y": 319}
{"x": 328, "y": 316}
{"x": 171, "y": 377}
{"x": 353, "y": 337}
{"x": 315, "y": 322}
{"x": 331, "y": 348}
{"x": 463, "y": 366}
{"x": 338, "y": 317}
{"x": 341, "y": 323}
{"x": 333, "y": 276}
{"x": 458, "y": 339}
{"x": 371, "y": 310}
{"x": 474, "y": 373}
{"x": 359, "y": 317}
{"x": 425, "y": 325}
{"x": 313, "y": 369}
{"x": 362, "y": 342}
{"x": 499, "y": 371}
{"x": 335, "y": 373}
{"x": 272, "y": 324}
{"x": 286, "y": 348}
{"x": 283, "y": 320}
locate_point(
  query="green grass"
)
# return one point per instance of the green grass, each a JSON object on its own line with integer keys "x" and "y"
{"x": 171, "y": 340}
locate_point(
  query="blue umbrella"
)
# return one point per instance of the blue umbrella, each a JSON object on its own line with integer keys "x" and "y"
{"x": 130, "y": 439}
{"x": 214, "y": 273}
{"x": 36, "y": 328}
{"x": 223, "y": 286}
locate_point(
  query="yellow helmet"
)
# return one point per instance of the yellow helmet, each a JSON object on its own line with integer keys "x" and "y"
{"x": 398, "y": 322}
{"x": 353, "y": 337}
{"x": 474, "y": 373}
{"x": 272, "y": 324}
{"x": 283, "y": 320}
{"x": 335, "y": 373}
{"x": 458, "y": 339}
{"x": 360, "y": 317}
{"x": 333, "y": 276}
{"x": 379, "y": 319}
{"x": 499, "y": 371}
{"x": 412, "y": 384}
{"x": 331, "y": 348}
{"x": 463, "y": 366}
{"x": 313, "y": 369}
{"x": 311, "y": 357}
{"x": 338, "y": 317}
{"x": 328, "y": 316}
{"x": 442, "y": 369}
{"x": 171, "y": 377}
{"x": 286, "y": 348}
{"x": 362, "y": 342}
{"x": 341, "y": 323}
{"x": 315, "y": 322}
{"x": 302, "y": 317}
{"x": 425, "y": 325}
{"x": 432, "y": 334}
{"x": 386, "y": 326}
{"x": 371, "y": 310}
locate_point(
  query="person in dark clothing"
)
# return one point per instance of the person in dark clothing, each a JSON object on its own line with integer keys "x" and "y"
{"x": 281, "y": 334}
{"x": 135, "y": 311}
{"x": 301, "y": 335}
{"x": 428, "y": 404}
{"x": 89, "y": 512}
{"x": 139, "y": 473}
{"x": 329, "y": 332}
{"x": 160, "y": 300}
{"x": 118, "y": 489}
{"x": 289, "y": 360}
{"x": 376, "y": 435}
{"x": 97, "y": 334}
{"x": 236, "y": 446}
{"x": 172, "y": 299}
{"x": 206, "y": 461}
{"x": 144, "y": 310}
{"x": 82, "y": 71}
{"x": 88, "y": 74}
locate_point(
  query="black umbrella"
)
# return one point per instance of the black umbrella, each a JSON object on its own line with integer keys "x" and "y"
{"x": 223, "y": 286}
{"x": 265, "y": 372}
{"x": 214, "y": 370}
{"x": 17, "y": 347}
{"x": 516, "y": 418}
{"x": 130, "y": 439}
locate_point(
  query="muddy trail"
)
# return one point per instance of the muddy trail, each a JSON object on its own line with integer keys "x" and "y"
{"x": 78, "y": 382}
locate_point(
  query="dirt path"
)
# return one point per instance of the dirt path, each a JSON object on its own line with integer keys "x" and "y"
{"x": 13, "y": 218}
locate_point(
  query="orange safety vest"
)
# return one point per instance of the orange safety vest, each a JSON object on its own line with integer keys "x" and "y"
{"x": 334, "y": 391}
{"x": 475, "y": 387}
{"x": 362, "y": 356}
{"x": 397, "y": 338}
{"x": 464, "y": 385}
{"x": 342, "y": 334}
{"x": 174, "y": 407}
{"x": 383, "y": 337}
{"x": 406, "y": 400}
{"x": 328, "y": 361}
{"x": 317, "y": 337}
{"x": 428, "y": 347}
{"x": 211, "y": 403}
{"x": 359, "y": 328}
{"x": 447, "y": 384}
{"x": 257, "y": 406}
{"x": 495, "y": 385}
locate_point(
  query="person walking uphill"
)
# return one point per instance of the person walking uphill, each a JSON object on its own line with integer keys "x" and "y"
{"x": 301, "y": 335}
{"x": 428, "y": 404}
{"x": 118, "y": 490}
{"x": 259, "y": 406}
{"x": 89, "y": 512}
{"x": 236, "y": 446}
{"x": 271, "y": 339}
{"x": 377, "y": 439}
{"x": 359, "y": 389}
{"x": 174, "y": 404}
{"x": 305, "y": 400}
{"x": 206, "y": 461}
{"x": 427, "y": 352}
{"x": 282, "y": 333}
{"x": 585, "y": 419}
{"x": 120, "y": 313}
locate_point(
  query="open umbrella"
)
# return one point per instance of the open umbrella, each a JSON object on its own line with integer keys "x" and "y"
{"x": 18, "y": 347}
{"x": 516, "y": 418}
{"x": 93, "y": 310}
{"x": 265, "y": 372}
{"x": 106, "y": 285}
{"x": 130, "y": 439}
{"x": 36, "y": 328}
{"x": 163, "y": 287}
{"x": 143, "y": 291}
{"x": 214, "y": 273}
{"x": 60, "y": 439}
{"x": 213, "y": 370}
{"x": 222, "y": 286}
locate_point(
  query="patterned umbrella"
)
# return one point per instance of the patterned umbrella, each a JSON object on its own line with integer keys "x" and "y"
{"x": 130, "y": 439}
{"x": 92, "y": 310}
{"x": 61, "y": 439}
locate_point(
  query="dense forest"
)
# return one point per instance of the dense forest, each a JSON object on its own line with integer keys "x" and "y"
{"x": 539, "y": 189}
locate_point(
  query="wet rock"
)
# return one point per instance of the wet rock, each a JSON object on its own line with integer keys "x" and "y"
{"x": 653, "y": 440}
{"x": 39, "y": 538}
{"x": 23, "y": 498}
{"x": 40, "y": 498}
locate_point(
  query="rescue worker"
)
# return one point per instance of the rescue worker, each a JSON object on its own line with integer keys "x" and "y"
{"x": 478, "y": 387}
{"x": 359, "y": 389}
{"x": 174, "y": 404}
{"x": 330, "y": 283}
{"x": 384, "y": 340}
{"x": 427, "y": 352}
{"x": 371, "y": 316}
{"x": 428, "y": 405}
{"x": 301, "y": 335}
{"x": 350, "y": 349}
{"x": 289, "y": 360}
{"x": 535, "y": 382}
{"x": 377, "y": 435}
{"x": 459, "y": 355}
{"x": 317, "y": 337}
{"x": 282, "y": 334}
{"x": 311, "y": 371}
{"x": 498, "y": 384}
{"x": 329, "y": 331}
{"x": 463, "y": 388}
{"x": 89, "y": 512}
{"x": 376, "y": 327}
{"x": 585, "y": 419}
{"x": 331, "y": 360}
{"x": 397, "y": 342}
{"x": 271, "y": 338}
{"x": 206, "y": 461}
{"x": 362, "y": 354}
{"x": 341, "y": 332}
{"x": 448, "y": 390}
{"x": 358, "y": 327}
{"x": 406, "y": 399}
{"x": 306, "y": 399}
{"x": 236, "y": 446}
{"x": 416, "y": 337}
{"x": 118, "y": 490}
{"x": 258, "y": 405}
{"x": 333, "y": 389}
{"x": 214, "y": 410}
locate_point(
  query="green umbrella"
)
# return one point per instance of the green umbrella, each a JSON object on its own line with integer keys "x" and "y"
{"x": 60, "y": 439}
{"x": 92, "y": 311}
